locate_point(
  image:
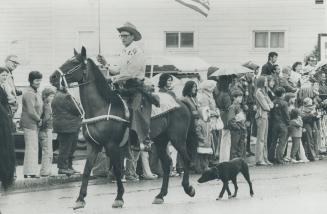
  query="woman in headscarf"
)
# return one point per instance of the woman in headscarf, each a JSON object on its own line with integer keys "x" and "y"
{"x": 7, "y": 154}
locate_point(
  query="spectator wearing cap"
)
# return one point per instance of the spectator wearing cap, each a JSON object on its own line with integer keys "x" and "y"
{"x": 11, "y": 63}
{"x": 267, "y": 69}
{"x": 309, "y": 117}
{"x": 264, "y": 106}
{"x": 280, "y": 121}
{"x": 30, "y": 122}
{"x": 45, "y": 133}
{"x": 236, "y": 124}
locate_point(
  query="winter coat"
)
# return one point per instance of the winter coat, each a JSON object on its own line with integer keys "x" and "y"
{"x": 223, "y": 103}
{"x": 295, "y": 127}
{"x": 66, "y": 117}
{"x": 46, "y": 117}
{"x": 279, "y": 114}
{"x": 32, "y": 109}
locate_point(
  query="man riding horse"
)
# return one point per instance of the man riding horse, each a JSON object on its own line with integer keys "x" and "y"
{"x": 129, "y": 77}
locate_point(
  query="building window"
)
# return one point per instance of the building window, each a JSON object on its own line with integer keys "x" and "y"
{"x": 269, "y": 39}
{"x": 179, "y": 39}
{"x": 319, "y": 1}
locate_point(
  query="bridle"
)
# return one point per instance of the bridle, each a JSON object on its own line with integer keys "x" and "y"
{"x": 86, "y": 121}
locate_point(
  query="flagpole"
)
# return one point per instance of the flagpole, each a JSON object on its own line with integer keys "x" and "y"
{"x": 99, "y": 27}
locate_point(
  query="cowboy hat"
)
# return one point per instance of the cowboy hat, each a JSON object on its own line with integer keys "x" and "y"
{"x": 129, "y": 27}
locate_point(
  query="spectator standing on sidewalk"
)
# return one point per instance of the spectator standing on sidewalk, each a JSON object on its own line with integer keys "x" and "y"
{"x": 264, "y": 105}
{"x": 7, "y": 153}
{"x": 45, "y": 133}
{"x": 30, "y": 122}
{"x": 295, "y": 131}
{"x": 11, "y": 63}
{"x": 66, "y": 123}
{"x": 280, "y": 121}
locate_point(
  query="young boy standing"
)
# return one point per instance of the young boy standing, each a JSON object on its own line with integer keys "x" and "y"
{"x": 45, "y": 133}
{"x": 236, "y": 123}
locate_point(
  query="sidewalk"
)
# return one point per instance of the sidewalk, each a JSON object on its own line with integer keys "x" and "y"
{"x": 55, "y": 179}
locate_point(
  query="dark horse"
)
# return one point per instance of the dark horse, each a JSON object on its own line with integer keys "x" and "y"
{"x": 96, "y": 97}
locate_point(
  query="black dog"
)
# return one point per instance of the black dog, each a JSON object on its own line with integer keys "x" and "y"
{"x": 227, "y": 171}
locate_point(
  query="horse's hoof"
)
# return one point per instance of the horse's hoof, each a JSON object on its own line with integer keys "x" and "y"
{"x": 118, "y": 204}
{"x": 191, "y": 191}
{"x": 158, "y": 201}
{"x": 219, "y": 198}
{"x": 252, "y": 194}
{"x": 230, "y": 197}
{"x": 79, "y": 205}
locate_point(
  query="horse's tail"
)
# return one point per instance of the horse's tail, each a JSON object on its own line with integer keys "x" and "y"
{"x": 191, "y": 140}
{"x": 7, "y": 153}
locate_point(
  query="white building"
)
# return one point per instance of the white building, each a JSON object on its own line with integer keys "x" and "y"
{"x": 44, "y": 32}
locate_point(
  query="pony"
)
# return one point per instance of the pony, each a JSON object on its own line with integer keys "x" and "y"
{"x": 106, "y": 124}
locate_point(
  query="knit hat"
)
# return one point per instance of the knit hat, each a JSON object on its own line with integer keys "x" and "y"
{"x": 47, "y": 92}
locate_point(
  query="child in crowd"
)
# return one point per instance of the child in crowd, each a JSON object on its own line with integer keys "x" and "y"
{"x": 295, "y": 132}
{"x": 45, "y": 133}
{"x": 309, "y": 117}
{"x": 204, "y": 139}
{"x": 236, "y": 122}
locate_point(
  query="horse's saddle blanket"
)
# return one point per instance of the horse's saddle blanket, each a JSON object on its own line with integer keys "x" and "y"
{"x": 167, "y": 103}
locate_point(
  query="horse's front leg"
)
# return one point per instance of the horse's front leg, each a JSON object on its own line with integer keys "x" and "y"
{"x": 92, "y": 156}
{"x": 165, "y": 162}
{"x": 117, "y": 163}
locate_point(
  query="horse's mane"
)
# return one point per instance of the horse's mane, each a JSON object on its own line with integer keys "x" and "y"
{"x": 101, "y": 83}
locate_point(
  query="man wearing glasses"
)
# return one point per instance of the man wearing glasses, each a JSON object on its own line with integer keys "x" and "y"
{"x": 11, "y": 64}
{"x": 129, "y": 74}
{"x": 310, "y": 67}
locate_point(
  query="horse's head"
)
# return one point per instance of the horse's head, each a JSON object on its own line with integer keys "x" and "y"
{"x": 72, "y": 70}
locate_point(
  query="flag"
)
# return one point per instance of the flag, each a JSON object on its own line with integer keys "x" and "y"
{"x": 201, "y": 6}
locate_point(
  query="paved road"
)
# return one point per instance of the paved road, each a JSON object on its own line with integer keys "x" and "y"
{"x": 300, "y": 188}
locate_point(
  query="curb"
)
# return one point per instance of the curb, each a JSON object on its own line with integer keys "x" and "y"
{"x": 30, "y": 184}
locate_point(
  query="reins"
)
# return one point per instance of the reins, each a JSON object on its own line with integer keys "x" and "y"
{"x": 86, "y": 121}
